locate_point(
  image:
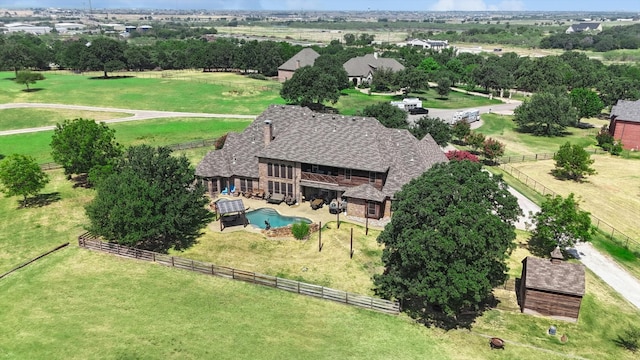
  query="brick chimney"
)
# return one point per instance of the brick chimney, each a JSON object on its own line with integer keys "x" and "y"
{"x": 268, "y": 132}
{"x": 556, "y": 256}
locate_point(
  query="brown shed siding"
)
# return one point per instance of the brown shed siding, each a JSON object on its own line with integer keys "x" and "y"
{"x": 546, "y": 303}
{"x": 284, "y": 75}
{"x": 628, "y": 132}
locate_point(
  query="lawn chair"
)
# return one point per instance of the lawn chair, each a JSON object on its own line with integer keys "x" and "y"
{"x": 233, "y": 190}
{"x": 224, "y": 191}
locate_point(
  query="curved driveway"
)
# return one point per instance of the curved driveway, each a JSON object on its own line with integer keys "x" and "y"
{"x": 137, "y": 115}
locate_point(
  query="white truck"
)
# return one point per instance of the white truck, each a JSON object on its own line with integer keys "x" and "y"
{"x": 469, "y": 116}
{"x": 408, "y": 104}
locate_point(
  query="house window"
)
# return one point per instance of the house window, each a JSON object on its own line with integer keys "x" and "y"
{"x": 283, "y": 171}
{"x": 372, "y": 177}
{"x": 276, "y": 170}
{"x": 246, "y": 185}
{"x": 347, "y": 174}
{"x": 277, "y": 188}
{"x": 214, "y": 185}
{"x": 372, "y": 209}
{"x": 314, "y": 168}
{"x": 270, "y": 186}
{"x": 269, "y": 169}
{"x": 289, "y": 172}
{"x": 290, "y": 189}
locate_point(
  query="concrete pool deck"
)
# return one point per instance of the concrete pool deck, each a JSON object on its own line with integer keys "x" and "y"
{"x": 300, "y": 210}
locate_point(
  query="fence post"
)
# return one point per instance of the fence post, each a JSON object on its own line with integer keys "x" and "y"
{"x": 154, "y": 256}
{"x": 233, "y": 273}
{"x": 212, "y": 271}
{"x": 192, "y": 266}
{"x": 172, "y": 262}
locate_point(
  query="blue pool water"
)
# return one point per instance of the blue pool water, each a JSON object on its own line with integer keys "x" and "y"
{"x": 257, "y": 218}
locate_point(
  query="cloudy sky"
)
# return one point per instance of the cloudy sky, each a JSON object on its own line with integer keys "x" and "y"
{"x": 420, "y": 5}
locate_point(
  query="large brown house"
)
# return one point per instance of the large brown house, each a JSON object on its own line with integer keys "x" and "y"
{"x": 305, "y": 57}
{"x": 625, "y": 123}
{"x": 551, "y": 287}
{"x": 360, "y": 69}
{"x": 294, "y": 151}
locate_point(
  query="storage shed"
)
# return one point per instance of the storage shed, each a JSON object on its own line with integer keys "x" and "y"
{"x": 552, "y": 287}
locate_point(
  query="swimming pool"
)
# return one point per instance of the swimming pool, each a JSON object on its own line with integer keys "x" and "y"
{"x": 258, "y": 217}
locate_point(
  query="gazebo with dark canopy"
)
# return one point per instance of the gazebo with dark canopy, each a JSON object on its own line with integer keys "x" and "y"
{"x": 231, "y": 207}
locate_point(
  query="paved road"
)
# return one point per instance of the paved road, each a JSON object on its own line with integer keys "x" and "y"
{"x": 137, "y": 115}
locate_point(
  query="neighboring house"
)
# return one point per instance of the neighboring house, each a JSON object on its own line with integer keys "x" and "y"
{"x": 584, "y": 27}
{"x": 296, "y": 152}
{"x": 437, "y": 45}
{"x": 306, "y": 57}
{"x": 625, "y": 123}
{"x": 360, "y": 69}
{"x": 551, "y": 287}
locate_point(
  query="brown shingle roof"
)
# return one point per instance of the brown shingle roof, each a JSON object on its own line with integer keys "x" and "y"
{"x": 362, "y": 65}
{"x": 365, "y": 192}
{"x": 302, "y": 135}
{"x": 562, "y": 277}
{"x": 306, "y": 56}
{"x": 626, "y": 110}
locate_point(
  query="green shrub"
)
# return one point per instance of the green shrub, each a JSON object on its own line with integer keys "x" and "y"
{"x": 630, "y": 340}
{"x": 300, "y": 230}
{"x": 616, "y": 148}
{"x": 257, "y": 76}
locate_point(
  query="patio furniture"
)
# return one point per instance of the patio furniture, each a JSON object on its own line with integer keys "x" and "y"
{"x": 276, "y": 199}
{"x": 334, "y": 207}
{"x": 289, "y": 200}
{"x": 317, "y": 203}
{"x": 224, "y": 191}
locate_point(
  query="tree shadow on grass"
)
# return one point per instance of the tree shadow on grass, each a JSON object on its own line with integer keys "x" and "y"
{"x": 40, "y": 200}
{"x": 81, "y": 180}
{"x": 32, "y": 90}
{"x": 433, "y": 316}
{"x": 110, "y": 77}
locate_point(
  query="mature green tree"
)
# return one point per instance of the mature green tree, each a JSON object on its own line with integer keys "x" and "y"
{"x": 572, "y": 162}
{"x": 438, "y": 129}
{"x": 475, "y": 140}
{"x": 106, "y": 54}
{"x": 150, "y": 201}
{"x": 587, "y": 102}
{"x": 448, "y": 240}
{"x": 21, "y": 175}
{"x": 384, "y": 80}
{"x": 332, "y": 65}
{"x": 444, "y": 86}
{"x": 492, "y": 149}
{"x": 349, "y": 39}
{"x": 310, "y": 86}
{"x": 27, "y": 77}
{"x": 389, "y": 115}
{"x": 460, "y": 130}
{"x": 411, "y": 79}
{"x": 429, "y": 66}
{"x": 81, "y": 144}
{"x": 561, "y": 223}
{"x": 546, "y": 113}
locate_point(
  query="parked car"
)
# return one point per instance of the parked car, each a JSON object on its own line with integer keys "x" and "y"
{"x": 418, "y": 111}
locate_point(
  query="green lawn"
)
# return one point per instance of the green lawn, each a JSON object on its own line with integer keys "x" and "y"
{"x": 503, "y": 129}
{"x": 353, "y": 100}
{"x": 167, "y": 94}
{"x": 154, "y": 132}
{"x": 76, "y": 304}
{"x": 11, "y": 119}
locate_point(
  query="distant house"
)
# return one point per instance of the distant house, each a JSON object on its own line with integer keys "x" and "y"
{"x": 26, "y": 28}
{"x": 298, "y": 153}
{"x": 584, "y": 27}
{"x": 551, "y": 287}
{"x": 427, "y": 44}
{"x": 360, "y": 69}
{"x": 625, "y": 123}
{"x": 306, "y": 57}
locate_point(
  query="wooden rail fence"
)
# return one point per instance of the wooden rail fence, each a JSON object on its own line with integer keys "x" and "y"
{"x": 537, "y": 157}
{"x": 91, "y": 242}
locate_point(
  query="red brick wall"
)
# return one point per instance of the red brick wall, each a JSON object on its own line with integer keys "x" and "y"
{"x": 629, "y": 132}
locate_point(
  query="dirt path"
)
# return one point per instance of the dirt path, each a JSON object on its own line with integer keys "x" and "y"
{"x": 137, "y": 115}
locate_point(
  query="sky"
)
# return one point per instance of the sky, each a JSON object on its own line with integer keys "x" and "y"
{"x": 362, "y": 5}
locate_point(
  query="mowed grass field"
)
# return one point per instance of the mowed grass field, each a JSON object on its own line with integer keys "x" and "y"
{"x": 504, "y": 129}
{"x": 76, "y": 304}
{"x": 12, "y": 119}
{"x": 612, "y": 194}
{"x": 353, "y": 100}
{"x": 220, "y": 93}
{"x": 153, "y": 132}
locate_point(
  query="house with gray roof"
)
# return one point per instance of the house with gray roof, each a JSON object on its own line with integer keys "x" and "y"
{"x": 293, "y": 151}
{"x": 360, "y": 69}
{"x": 551, "y": 287}
{"x": 584, "y": 27}
{"x": 305, "y": 57}
{"x": 625, "y": 123}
